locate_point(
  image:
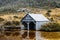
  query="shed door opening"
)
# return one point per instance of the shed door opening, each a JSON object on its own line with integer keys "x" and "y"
{"x": 25, "y": 25}
{"x": 31, "y": 26}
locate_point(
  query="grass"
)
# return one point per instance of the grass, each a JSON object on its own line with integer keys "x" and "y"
{"x": 7, "y": 16}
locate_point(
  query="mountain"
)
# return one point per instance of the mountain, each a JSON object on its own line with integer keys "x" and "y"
{"x": 29, "y": 3}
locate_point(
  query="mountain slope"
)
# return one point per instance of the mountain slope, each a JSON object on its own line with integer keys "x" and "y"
{"x": 30, "y": 3}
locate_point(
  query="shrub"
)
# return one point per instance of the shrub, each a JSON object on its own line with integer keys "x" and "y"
{"x": 8, "y": 23}
{"x": 1, "y": 19}
{"x": 15, "y": 16}
{"x": 49, "y": 10}
{"x": 51, "y": 19}
{"x": 16, "y": 22}
{"x": 48, "y": 13}
{"x": 51, "y": 27}
{"x": 13, "y": 22}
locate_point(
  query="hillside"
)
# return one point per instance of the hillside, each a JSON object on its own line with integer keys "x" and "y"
{"x": 6, "y": 4}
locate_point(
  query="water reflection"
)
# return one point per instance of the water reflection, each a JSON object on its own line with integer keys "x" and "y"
{"x": 24, "y": 35}
{"x": 40, "y": 35}
{"x": 31, "y": 35}
{"x": 28, "y": 34}
{"x": 50, "y": 35}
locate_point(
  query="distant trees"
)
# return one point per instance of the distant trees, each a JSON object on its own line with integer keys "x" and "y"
{"x": 53, "y": 4}
{"x": 30, "y": 3}
{"x": 8, "y": 10}
{"x": 58, "y": 5}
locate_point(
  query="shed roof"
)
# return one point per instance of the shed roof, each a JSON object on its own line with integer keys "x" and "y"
{"x": 38, "y": 17}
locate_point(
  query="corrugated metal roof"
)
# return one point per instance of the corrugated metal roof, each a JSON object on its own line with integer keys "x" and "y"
{"x": 38, "y": 17}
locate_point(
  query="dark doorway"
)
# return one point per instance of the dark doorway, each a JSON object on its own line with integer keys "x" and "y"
{"x": 25, "y": 25}
{"x": 31, "y": 26}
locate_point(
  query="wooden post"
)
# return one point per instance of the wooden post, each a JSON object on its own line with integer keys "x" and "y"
{"x": 28, "y": 25}
{"x": 28, "y": 30}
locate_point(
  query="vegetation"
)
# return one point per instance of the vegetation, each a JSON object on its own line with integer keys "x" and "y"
{"x": 1, "y": 19}
{"x": 8, "y": 23}
{"x": 48, "y": 13}
{"x": 16, "y": 22}
{"x": 51, "y": 19}
{"x": 13, "y": 22}
{"x": 12, "y": 4}
{"x": 15, "y": 16}
{"x": 8, "y": 10}
{"x": 53, "y": 26}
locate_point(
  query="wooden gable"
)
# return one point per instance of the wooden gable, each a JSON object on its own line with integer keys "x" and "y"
{"x": 27, "y": 18}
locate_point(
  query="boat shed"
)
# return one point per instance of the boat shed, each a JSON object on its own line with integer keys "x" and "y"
{"x": 33, "y": 21}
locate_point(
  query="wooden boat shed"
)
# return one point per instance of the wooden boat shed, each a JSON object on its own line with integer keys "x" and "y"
{"x": 33, "y": 21}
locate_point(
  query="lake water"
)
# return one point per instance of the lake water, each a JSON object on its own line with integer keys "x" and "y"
{"x": 32, "y": 35}
{"x": 40, "y": 35}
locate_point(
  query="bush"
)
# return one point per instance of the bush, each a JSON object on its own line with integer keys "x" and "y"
{"x": 51, "y": 19}
{"x": 8, "y": 23}
{"x": 16, "y": 22}
{"x": 1, "y": 19}
{"x": 51, "y": 27}
{"x": 48, "y": 12}
{"x": 13, "y": 22}
{"x": 15, "y": 16}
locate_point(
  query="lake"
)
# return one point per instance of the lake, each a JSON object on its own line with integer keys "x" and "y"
{"x": 31, "y": 35}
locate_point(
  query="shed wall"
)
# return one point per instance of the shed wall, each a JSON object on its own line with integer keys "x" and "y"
{"x": 39, "y": 24}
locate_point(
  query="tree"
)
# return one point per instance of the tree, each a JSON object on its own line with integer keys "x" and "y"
{"x": 53, "y": 4}
{"x": 58, "y": 5}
